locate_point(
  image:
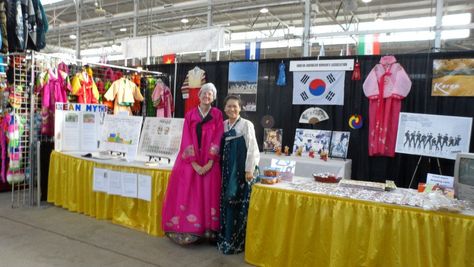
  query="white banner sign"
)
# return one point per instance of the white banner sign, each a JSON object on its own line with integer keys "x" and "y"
{"x": 318, "y": 88}
{"x": 322, "y": 65}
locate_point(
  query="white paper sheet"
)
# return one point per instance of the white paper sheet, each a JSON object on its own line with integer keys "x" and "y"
{"x": 144, "y": 187}
{"x": 129, "y": 184}
{"x": 100, "y": 181}
{"x": 115, "y": 183}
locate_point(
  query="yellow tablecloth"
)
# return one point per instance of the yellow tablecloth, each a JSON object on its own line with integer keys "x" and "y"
{"x": 70, "y": 186}
{"x": 290, "y": 228}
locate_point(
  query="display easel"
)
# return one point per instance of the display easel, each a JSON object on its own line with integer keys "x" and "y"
{"x": 418, "y": 164}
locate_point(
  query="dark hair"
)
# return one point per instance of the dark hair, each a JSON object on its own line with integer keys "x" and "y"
{"x": 233, "y": 97}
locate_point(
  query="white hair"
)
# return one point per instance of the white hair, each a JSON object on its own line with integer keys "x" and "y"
{"x": 208, "y": 87}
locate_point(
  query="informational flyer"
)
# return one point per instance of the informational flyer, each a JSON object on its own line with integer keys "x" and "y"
{"x": 115, "y": 182}
{"x": 161, "y": 137}
{"x": 129, "y": 184}
{"x": 77, "y": 126}
{"x": 100, "y": 181}
{"x": 144, "y": 187}
{"x": 121, "y": 134}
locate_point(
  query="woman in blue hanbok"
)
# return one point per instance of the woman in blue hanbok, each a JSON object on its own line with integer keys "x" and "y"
{"x": 240, "y": 157}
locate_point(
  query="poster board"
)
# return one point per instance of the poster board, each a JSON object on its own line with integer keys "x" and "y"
{"x": 161, "y": 137}
{"x": 453, "y": 77}
{"x": 433, "y": 135}
{"x": 77, "y": 126}
{"x": 316, "y": 140}
{"x": 243, "y": 82}
{"x": 121, "y": 133}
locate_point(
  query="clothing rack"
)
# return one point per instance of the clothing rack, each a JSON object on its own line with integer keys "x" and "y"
{"x": 27, "y": 67}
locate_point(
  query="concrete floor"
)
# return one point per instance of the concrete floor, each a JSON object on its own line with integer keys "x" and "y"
{"x": 52, "y": 236}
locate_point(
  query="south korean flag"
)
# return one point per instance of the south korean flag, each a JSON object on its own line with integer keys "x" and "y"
{"x": 318, "y": 88}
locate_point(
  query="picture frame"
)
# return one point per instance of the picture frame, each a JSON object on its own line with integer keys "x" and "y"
{"x": 272, "y": 139}
{"x": 339, "y": 144}
{"x": 309, "y": 139}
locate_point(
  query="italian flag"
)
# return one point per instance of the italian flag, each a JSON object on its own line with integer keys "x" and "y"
{"x": 369, "y": 45}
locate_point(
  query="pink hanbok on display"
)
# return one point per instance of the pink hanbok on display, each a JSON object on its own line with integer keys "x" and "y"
{"x": 162, "y": 100}
{"x": 191, "y": 205}
{"x": 55, "y": 90}
{"x": 386, "y": 86}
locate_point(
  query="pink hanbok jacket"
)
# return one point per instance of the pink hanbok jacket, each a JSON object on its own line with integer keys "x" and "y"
{"x": 386, "y": 85}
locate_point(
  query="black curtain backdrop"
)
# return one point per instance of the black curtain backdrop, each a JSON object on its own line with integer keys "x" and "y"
{"x": 277, "y": 102}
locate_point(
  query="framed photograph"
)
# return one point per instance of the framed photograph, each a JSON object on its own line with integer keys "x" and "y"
{"x": 272, "y": 138}
{"x": 339, "y": 144}
{"x": 433, "y": 135}
{"x": 307, "y": 140}
{"x": 243, "y": 81}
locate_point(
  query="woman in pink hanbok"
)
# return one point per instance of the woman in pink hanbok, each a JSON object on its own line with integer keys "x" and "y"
{"x": 191, "y": 205}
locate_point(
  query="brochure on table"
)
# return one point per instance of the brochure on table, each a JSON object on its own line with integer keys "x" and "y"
{"x": 121, "y": 133}
{"x": 77, "y": 126}
{"x": 161, "y": 137}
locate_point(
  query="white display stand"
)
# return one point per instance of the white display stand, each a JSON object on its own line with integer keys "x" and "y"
{"x": 306, "y": 166}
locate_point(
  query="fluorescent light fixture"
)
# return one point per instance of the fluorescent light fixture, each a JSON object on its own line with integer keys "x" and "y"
{"x": 123, "y": 29}
{"x": 73, "y": 36}
{"x": 264, "y": 10}
{"x": 366, "y": 1}
{"x": 185, "y": 20}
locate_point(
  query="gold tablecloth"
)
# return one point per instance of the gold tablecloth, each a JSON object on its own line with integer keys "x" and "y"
{"x": 293, "y": 228}
{"x": 70, "y": 186}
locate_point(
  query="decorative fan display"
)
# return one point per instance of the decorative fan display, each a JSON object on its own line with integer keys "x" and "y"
{"x": 313, "y": 116}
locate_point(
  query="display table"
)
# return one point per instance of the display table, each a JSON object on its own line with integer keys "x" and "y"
{"x": 70, "y": 187}
{"x": 306, "y": 166}
{"x": 294, "y": 228}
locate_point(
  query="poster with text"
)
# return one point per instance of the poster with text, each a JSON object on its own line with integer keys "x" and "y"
{"x": 318, "y": 87}
{"x": 161, "y": 137}
{"x": 453, "y": 77}
{"x": 307, "y": 140}
{"x": 433, "y": 135}
{"x": 77, "y": 126}
{"x": 121, "y": 133}
{"x": 243, "y": 81}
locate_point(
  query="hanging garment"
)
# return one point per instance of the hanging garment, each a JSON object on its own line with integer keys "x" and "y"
{"x": 4, "y": 147}
{"x": 16, "y": 27}
{"x": 149, "y": 84}
{"x": 3, "y": 27}
{"x": 54, "y": 90}
{"x": 15, "y": 130}
{"x": 84, "y": 87}
{"x": 41, "y": 25}
{"x": 281, "y": 81}
{"x": 137, "y": 105}
{"x": 191, "y": 205}
{"x": 190, "y": 89}
{"x": 124, "y": 93}
{"x": 386, "y": 86}
{"x": 163, "y": 100}
{"x": 240, "y": 154}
